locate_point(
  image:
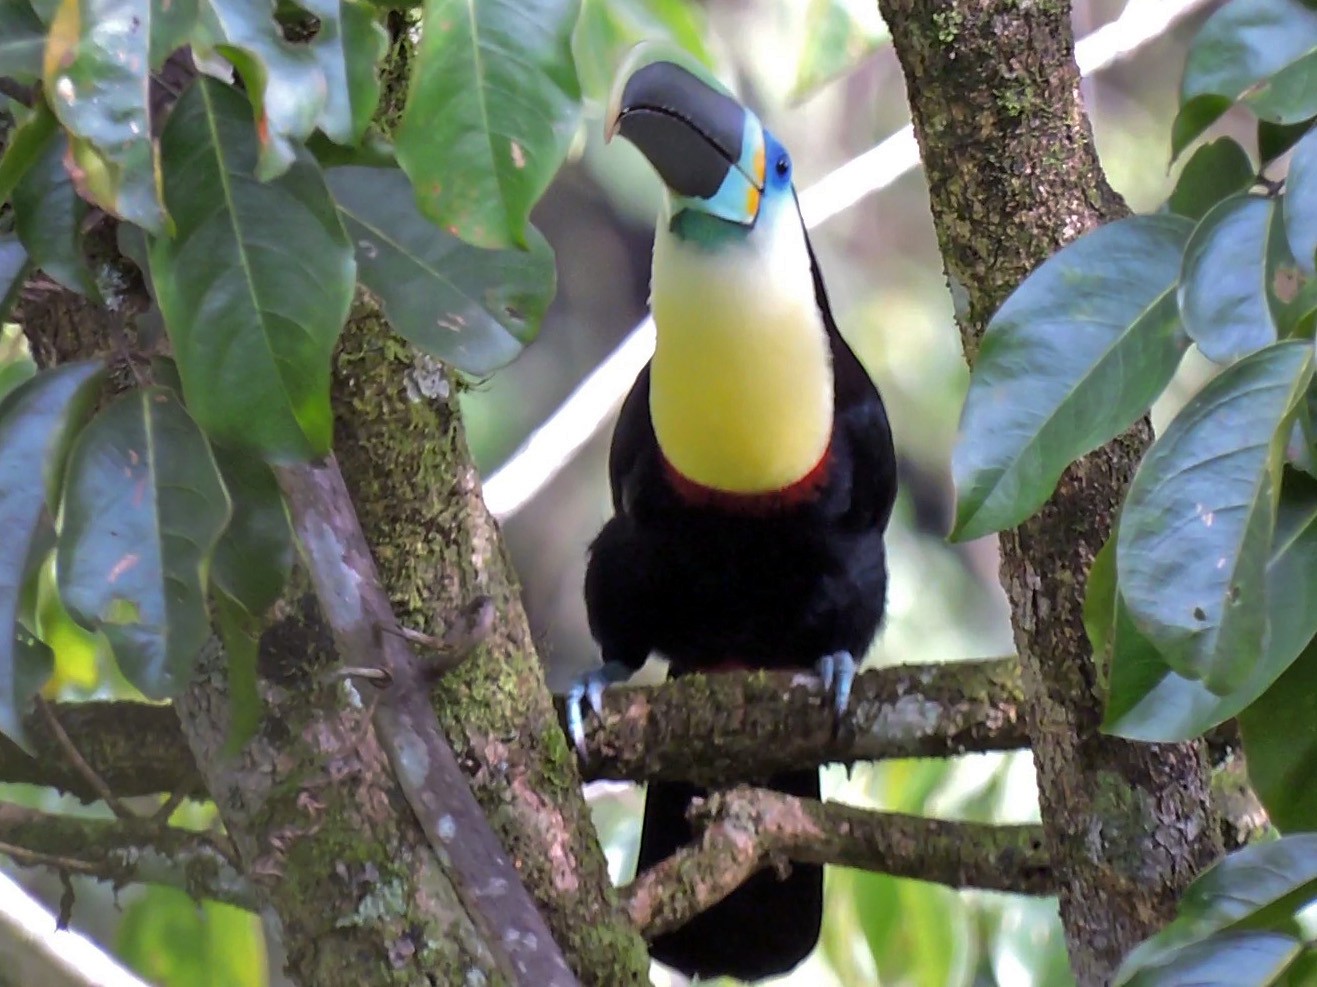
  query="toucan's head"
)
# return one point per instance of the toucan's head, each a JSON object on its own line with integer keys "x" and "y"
{"x": 723, "y": 172}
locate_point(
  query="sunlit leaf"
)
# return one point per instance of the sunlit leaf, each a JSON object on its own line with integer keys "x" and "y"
{"x": 1301, "y": 202}
{"x": 255, "y": 553}
{"x": 1256, "y": 889}
{"x": 285, "y": 82}
{"x": 143, "y": 507}
{"x": 1225, "y": 286}
{"x": 1196, "y": 529}
{"x": 22, "y": 40}
{"x": 48, "y": 217}
{"x": 1258, "y": 49}
{"x": 37, "y": 421}
{"x": 177, "y": 942}
{"x": 470, "y": 307}
{"x": 1146, "y": 699}
{"x": 1072, "y": 358}
{"x": 348, "y": 47}
{"x": 97, "y": 79}
{"x": 607, "y": 29}
{"x": 492, "y": 104}
{"x": 255, "y": 286}
{"x": 838, "y": 34}
{"x": 1214, "y": 172}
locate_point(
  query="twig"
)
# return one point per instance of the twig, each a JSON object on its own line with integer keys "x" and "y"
{"x": 79, "y": 762}
{"x": 725, "y": 728}
{"x": 747, "y": 829}
{"x": 355, "y": 606}
{"x": 123, "y": 852}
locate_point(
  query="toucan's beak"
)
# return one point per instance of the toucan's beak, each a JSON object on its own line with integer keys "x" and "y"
{"x": 706, "y": 147}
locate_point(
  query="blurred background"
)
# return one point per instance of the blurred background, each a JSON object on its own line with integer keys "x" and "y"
{"x": 824, "y": 81}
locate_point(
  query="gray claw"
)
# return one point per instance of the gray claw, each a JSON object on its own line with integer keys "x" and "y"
{"x": 590, "y": 688}
{"x": 837, "y": 671}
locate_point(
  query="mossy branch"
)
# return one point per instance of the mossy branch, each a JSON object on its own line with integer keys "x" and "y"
{"x": 745, "y": 830}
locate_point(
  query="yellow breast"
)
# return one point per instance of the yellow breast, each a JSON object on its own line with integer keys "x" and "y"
{"x": 741, "y": 390}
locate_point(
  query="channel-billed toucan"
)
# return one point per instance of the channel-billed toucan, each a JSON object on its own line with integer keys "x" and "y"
{"x": 752, "y": 478}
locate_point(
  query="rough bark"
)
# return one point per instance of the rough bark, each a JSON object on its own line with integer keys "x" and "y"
{"x": 1013, "y": 175}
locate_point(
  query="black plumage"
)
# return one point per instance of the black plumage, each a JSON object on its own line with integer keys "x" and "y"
{"x": 774, "y": 580}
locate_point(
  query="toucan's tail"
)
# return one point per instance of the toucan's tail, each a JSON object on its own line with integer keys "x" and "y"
{"x": 763, "y": 928}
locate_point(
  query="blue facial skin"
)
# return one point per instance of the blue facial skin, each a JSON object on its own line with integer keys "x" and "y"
{"x": 728, "y": 215}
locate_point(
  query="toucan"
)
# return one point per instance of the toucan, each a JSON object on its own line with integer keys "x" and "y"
{"x": 752, "y": 475}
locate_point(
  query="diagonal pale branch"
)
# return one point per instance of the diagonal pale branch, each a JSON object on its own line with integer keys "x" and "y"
{"x": 747, "y": 829}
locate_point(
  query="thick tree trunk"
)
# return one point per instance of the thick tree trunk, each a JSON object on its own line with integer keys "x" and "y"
{"x": 1013, "y": 175}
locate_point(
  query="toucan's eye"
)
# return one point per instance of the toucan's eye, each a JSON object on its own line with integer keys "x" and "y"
{"x": 783, "y": 166}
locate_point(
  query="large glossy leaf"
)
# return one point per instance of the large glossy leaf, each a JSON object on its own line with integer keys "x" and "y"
{"x": 1274, "y": 139}
{"x": 1214, "y": 172}
{"x": 1240, "y": 959}
{"x": 255, "y": 553}
{"x": 1301, "y": 202}
{"x": 470, "y": 307}
{"x": 22, "y": 40}
{"x": 348, "y": 47}
{"x": 143, "y": 507}
{"x": 492, "y": 105}
{"x": 13, "y": 268}
{"x": 1196, "y": 528}
{"x": 97, "y": 78}
{"x": 1280, "y": 739}
{"x": 285, "y": 81}
{"x": 37, "y": 421}
{"x": 1147, "y": 699}
{"x": 173, "y": 940}
{"x": 1224, "y": 286}
{"x": 1258, "y": 888}
{"x": 1072, "y": 358}
{"x": 48, "y": 217}
{"x": 1259, "y": 49}
{"x": 255, "y": 286}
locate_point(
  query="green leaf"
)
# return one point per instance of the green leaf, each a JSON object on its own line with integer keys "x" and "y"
{"x": 174, "y": 941}
{"x": 607, "y": 29}
{"x": 1274, "y": 139}
{"x": 1241, "y": 959}
{"x": 285, "y": 82}
{"x": 838, "y": 35}
{"x": 1148, "y": 701}
{"x": 255, "y": 553}
{"x": 1073, "y": 357}
{"x": 1196, "y": 528}
{"x": 472, "y": 308}
{"x": 1241, "y": 51}
{"x": 1280, "y": 740}
{"x": 255, "y": 286}
{"x": 143, "y": 507}
{"x": 26, "y": 145}
{"x": 1214, "y": 172}
{"x": 348, "y": 47}
{"x": 492, "y": 106}
{"x": 1236, "y": 268}
{"x": 22, "y": 41}
{"x": 1301, "y": 202}
{"x": 1258, "y": 888}
{"x": 97, "y": 78}
{"x": 48, "y": 216}
{"x": 37, "y": 421}
{"x": 241, "y": 633}
{"x": 13, "y": 270}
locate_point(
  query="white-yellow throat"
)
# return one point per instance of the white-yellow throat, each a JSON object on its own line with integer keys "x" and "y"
{"x": 741, "y": 387}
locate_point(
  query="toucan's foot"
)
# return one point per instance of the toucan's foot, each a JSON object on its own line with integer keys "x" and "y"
{"x": 590, "y": 688}
{"x": 837, "y": 671}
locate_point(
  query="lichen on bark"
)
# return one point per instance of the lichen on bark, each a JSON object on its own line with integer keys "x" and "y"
{"x": 1013, "y": 175}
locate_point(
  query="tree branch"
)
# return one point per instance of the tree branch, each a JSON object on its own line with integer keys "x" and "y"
{"x": 729, "y": 727}
{"x": 123, "y": 852}
{"x": 747, "y": 829}
{"x": 357, "y": 610}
